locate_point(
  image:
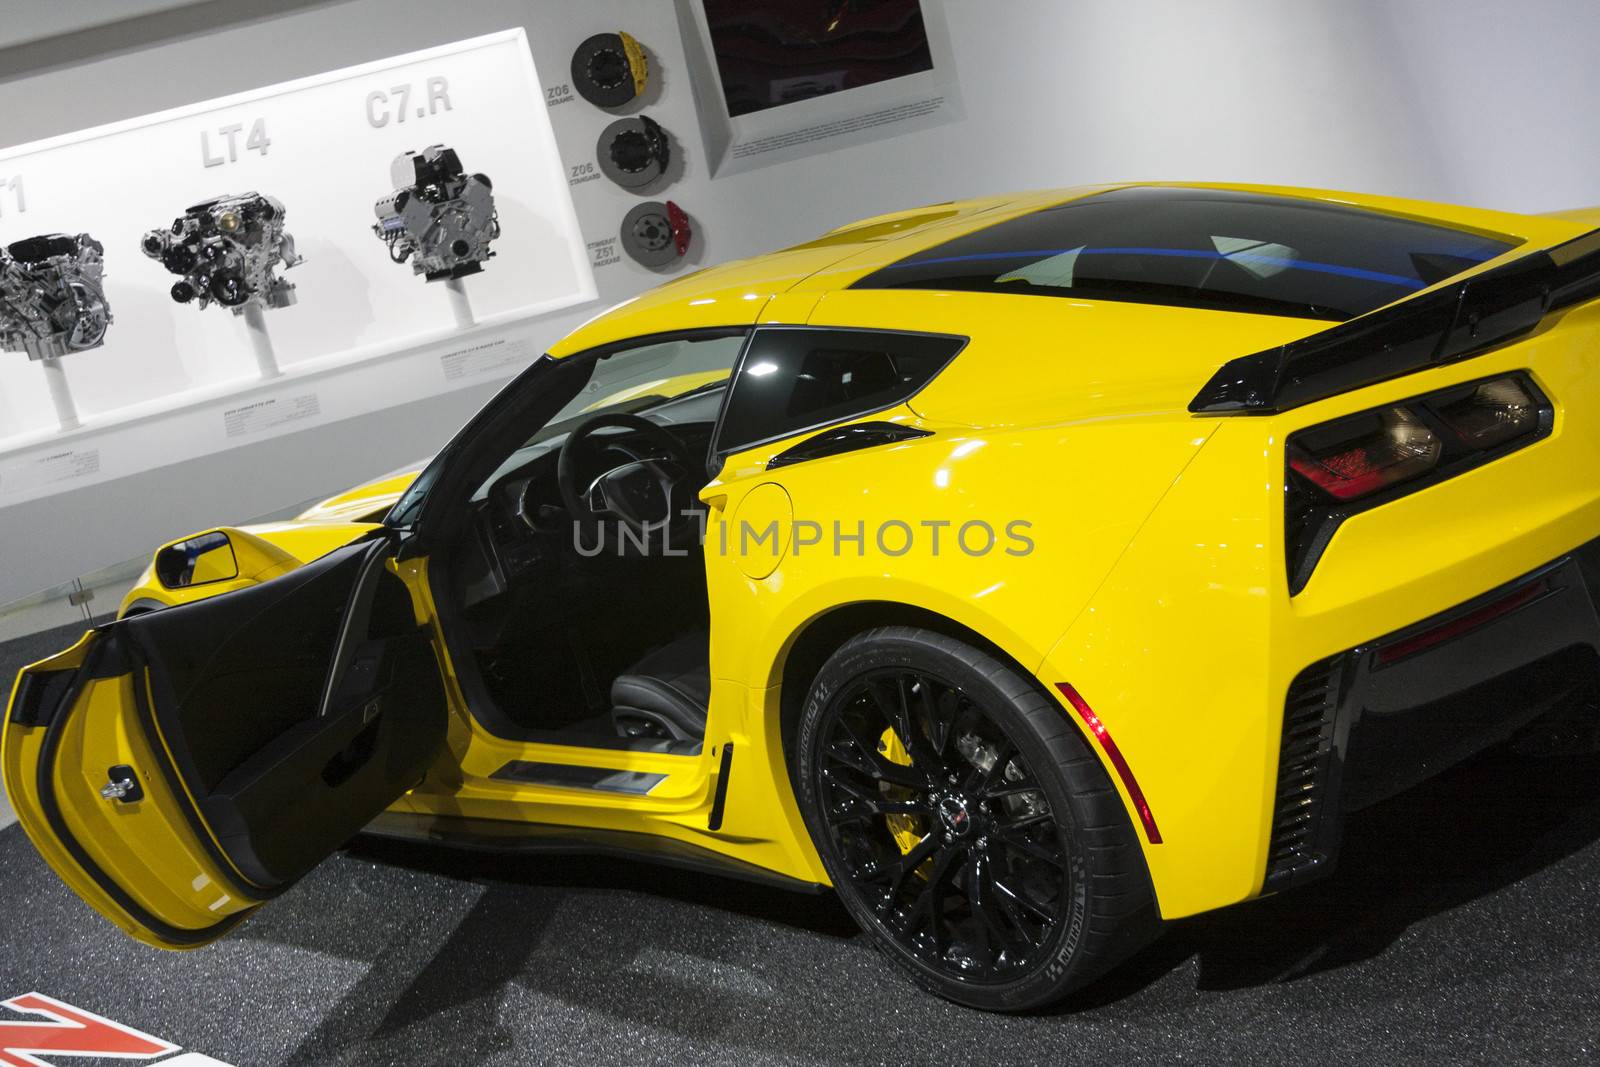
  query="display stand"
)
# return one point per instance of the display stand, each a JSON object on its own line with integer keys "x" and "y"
{"x": 60, "y": 393}
{"x": 457, "y": 288}
{"x": 255, "y": 321}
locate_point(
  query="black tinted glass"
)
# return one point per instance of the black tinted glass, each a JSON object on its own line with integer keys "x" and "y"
{"x": 1206, "y": 248}
{"x": 796, "y": 379}
{"x": 778, "y": 52}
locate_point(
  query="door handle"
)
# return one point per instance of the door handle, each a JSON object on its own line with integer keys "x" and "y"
{"x": 123, "y": 785}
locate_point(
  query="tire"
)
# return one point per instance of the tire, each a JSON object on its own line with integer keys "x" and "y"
{"x": 990, "y": 856}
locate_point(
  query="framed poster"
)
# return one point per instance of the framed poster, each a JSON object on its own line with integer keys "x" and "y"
{"x": 779, "y": 79}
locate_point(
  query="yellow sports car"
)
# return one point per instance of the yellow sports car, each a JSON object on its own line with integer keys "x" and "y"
{"x": 1028, "y": 570}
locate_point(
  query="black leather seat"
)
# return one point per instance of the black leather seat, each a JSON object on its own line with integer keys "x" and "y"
{"x": 665, "y": 694}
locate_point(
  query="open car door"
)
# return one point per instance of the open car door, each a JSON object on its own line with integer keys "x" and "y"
{"x": 179, "y": 769}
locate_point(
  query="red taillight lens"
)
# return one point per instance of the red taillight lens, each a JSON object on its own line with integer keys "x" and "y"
{"x": 1357, "y": 456}
{"x": 1363, "y": 460}
{"x": 1490, "y": 413}
{"x": 1462, "y": 624}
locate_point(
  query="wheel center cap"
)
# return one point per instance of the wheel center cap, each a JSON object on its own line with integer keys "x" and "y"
{"x": 954, "y": 816}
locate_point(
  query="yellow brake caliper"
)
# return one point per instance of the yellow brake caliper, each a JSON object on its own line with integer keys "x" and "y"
{"x": 907, "y": 830}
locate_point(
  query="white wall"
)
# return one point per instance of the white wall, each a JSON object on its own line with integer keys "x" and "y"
{"x": 1507, "y": 93}
{"x": 27, "y": 22}
{"x": 1477, "y": 101}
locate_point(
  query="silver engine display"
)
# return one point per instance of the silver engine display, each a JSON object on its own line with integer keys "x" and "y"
{"x": 52, "y": 298}
{"x": 439, "y": 217}
{"x": 228, "y": 250}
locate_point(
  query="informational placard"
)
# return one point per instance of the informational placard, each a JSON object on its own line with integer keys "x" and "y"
{"x": 777, "y": 81}
{"x": 323, "y": 147}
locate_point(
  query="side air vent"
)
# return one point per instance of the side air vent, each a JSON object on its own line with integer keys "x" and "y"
{"x": 1300, "y": 824}
{"x": 852, "y": 438}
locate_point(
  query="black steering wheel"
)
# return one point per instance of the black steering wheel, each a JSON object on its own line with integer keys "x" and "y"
{"x": 642, "y": 494}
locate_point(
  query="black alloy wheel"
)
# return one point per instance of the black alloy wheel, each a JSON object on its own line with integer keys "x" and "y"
{"x": 965, "y": 825}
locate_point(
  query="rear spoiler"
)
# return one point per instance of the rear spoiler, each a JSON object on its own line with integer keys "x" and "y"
{"x": 1442, "y": 326}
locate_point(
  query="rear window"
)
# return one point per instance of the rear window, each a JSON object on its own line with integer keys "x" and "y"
{"x": 1204, "y": 248}
{"x": 799, "y": 378}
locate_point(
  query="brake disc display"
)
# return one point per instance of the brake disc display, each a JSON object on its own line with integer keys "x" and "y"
{"x": 634, "y": 152}
{"x": 656, "y": 234}
{"x": 610, "y": 69}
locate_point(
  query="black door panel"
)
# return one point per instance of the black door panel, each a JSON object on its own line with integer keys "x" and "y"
{"x": 280, "y": 812}
{"x": 233, "y": 672}
{"x": 285, "y": 753}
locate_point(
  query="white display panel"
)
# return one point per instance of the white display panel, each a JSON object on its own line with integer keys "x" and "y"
{"x": 323, "y": 146}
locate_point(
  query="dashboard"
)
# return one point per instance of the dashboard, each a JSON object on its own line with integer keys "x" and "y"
{"x": 520, "y": 524}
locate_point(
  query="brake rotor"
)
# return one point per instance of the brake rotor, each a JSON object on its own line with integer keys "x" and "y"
{"x": 634, "y": 152}
{"x": 656, "y": 234}
{"x": 610, "y": 69}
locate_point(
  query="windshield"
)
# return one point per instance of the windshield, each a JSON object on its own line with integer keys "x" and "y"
{"x": 551, "y": 436}
{"x": 1204, "y": 248}
{"x": 635, "y": 379}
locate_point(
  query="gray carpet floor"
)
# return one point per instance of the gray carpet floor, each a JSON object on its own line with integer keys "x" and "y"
{"x": 1461, "y": 927}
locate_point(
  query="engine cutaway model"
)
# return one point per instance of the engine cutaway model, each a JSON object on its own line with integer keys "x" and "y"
{"x": 439, "y": 217}
{"x": 228, "y": 250}
{"x": 52, "y": 297}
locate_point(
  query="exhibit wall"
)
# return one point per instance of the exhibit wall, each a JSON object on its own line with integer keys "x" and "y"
{"x": 1457, "y": 100}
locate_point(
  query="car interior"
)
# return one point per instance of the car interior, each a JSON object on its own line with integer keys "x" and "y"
{"x": 578, "y": 587}
{"x": 573, "y": 588}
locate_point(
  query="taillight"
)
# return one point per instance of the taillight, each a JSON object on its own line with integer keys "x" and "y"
{"x": 1359, "y": 461}
{"x": 1489, "y": 413}
{"x": 1356, "y": 456}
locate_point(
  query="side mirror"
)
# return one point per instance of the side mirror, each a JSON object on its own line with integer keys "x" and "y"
{"x": 197, "y": 561}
